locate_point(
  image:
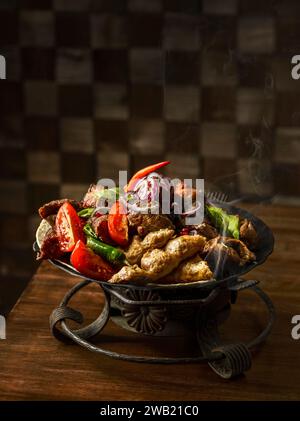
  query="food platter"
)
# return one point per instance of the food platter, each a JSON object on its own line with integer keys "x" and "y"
{"x": 265, "y": 248}
{"x": 145, "y": 262}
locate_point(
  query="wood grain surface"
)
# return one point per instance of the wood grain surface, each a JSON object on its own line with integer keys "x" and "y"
{"x": 35, "y": 366}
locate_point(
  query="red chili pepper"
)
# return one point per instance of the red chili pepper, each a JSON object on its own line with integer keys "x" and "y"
{"x": 68, "y": 227}
{"x": 143, "y": 172}
{"x": 118, "y": 224}
{"x": 90, "y": 264}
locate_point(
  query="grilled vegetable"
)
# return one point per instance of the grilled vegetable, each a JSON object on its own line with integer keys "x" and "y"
{"x": 90, "y": 264}
{"x": 227, "y": 224}
{"x": 118, "y": 224}
{"x": 143, "y": 172}
{"x": 86, "y": 213}
{"x": 68, "y": 227}
{"x": 110, "y": 253}
{"x": 88, "y": 230}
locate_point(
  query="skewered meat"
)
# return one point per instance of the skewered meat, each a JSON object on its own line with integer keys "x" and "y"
{"x": 157, "y": 263}
{"x": 248, "y": 234}
{"x": 138, "y": 247}
{"x": 191, "y": 270}
{"x": 144, "y": 223}
{"x": 50, "y": 248}
{"x": 52, "y": 207}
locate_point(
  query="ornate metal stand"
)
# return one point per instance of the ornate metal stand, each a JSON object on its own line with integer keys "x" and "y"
{"x": 152, "y": 312}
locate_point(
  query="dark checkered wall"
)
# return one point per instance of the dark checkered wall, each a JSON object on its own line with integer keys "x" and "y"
{"x": 98, "y": 86}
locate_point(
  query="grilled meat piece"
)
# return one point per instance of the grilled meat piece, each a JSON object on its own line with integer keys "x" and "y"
{"x": 185, "y": 246}
{"x": 138, "y": 247}
{"x": 132, "y": 274}
{"x": 206, "y": 230}
{"x": 158, "y": 263}
{"x": 157, "y": 239}
{"x": 50, "y": 248}
{"x": 191, "y": 270}
{"x": 52, "y": 207}
{"x": 91, "y": 198}
{"x": 221, "y": 251}
{"x": 135, "y": 251}
{"x": 100, "y": 227}
{"x": 245, "y": 254}
{"x": 144, "y": 223}
{"x": 220, "y": 257}
{"x": 248, "y": 234}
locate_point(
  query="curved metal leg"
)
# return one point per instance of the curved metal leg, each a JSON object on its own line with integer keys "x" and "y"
{"x": 64, "y": 312}
{"x": 237, "y": 357}
{"x": 226, "y": 360}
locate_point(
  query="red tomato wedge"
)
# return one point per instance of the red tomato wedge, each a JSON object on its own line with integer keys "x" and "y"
{"x": 90, "y": 264}
{"x": 68, "y": 227}
{"x": 118, "y": 224}
{"x": 143, "y": 172}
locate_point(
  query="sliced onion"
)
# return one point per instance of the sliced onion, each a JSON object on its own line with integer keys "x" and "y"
{"x": 155, "y": 175}
{"x": 139, "y": 183}
{"x": 145, "y": 196}
{"x": 147, "y": 189}
{"x": 126, "y": 198}
{"x": 142, "y": 190}
{"x": 101, "y": 209}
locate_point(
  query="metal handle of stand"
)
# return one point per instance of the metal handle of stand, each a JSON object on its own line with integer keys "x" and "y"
{"x": 230, "y": 356}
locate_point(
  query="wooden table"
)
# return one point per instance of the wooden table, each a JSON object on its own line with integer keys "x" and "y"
{"x": 34, "y": 365}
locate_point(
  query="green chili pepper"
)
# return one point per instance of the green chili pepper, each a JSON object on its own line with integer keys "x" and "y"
{"x": 228, "y": 224}
{"x": 110, "y": 253}
{"x": 88, "y": 230}
{"x": 86, "y": 213}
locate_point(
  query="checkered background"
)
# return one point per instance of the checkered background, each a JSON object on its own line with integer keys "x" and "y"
{"x": 94, "y": 86}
